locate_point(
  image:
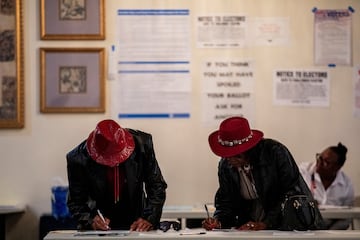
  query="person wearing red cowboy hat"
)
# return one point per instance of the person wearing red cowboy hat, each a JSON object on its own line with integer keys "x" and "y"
{"x": 255, "y": 174}
{"x": 115, "y": 181}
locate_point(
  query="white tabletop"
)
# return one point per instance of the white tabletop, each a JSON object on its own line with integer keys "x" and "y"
{"x": 201, "y": 234}
{"x": 9, "y": 209}
{"x": 340, "y": 212}
{"x": 197, "y": 212}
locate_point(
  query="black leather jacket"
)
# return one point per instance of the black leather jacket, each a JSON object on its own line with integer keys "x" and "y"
{"x": 145, "y": 187}
{"x": 275, "y": 173}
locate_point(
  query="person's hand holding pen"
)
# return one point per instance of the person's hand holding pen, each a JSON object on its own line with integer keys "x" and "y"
{"x": 100, "y": 222}
{"x": 210, "y": 223}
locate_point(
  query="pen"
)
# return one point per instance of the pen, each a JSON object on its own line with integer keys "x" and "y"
{"x": 98, "y": 234}
{"x": 102, "y": 217}
{"x": 207, "y": 211}
{"x": 192, "y": 233}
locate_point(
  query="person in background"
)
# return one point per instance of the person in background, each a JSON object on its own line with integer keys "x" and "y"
{"x": 328, "y": 183}
{"x": 115, "y": 181}
{"x": 255, "y": 174}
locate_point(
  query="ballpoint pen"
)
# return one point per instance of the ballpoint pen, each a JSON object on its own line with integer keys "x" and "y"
{"x": 192, "y": 233}
{"x": 102, "y": 217}
{"x": 207, "y": 211}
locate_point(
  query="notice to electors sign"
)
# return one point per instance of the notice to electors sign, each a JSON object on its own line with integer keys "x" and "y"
{"x": 301, "y": 88}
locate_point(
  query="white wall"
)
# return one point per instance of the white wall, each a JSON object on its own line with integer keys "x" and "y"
{"x": 32, "y": 156}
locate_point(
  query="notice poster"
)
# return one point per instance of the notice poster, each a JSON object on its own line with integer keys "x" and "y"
{"x": 152, "y": 64}
{"x": 228, "y": 90}
{"x": 357, "y": 91}
{"x": 221, "y": 31}
{"x": 301, "y": 88}
{"x": 269, "y": 31}
{"x": 332, "y": 37}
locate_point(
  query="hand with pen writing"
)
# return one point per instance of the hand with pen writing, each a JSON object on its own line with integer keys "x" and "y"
{"x": 211, "y": 223}
{"x": 100, "y": 223}
{"x": 141, "y": 225}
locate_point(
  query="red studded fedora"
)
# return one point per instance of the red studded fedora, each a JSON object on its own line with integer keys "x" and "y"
{"x": 234, "y": 137}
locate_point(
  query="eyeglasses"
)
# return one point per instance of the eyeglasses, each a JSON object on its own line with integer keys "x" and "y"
{"x": 325, "y": 162}
{"x": 166, "y": 225}
{"x": 319, "y": 157}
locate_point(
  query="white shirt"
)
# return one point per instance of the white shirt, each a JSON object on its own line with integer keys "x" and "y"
{"x": 339, "y": 193}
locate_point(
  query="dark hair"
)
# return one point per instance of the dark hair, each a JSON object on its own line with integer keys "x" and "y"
{"x": 341, "y": 151}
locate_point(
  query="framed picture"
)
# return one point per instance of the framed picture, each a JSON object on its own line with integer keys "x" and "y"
{"x": 72, "y": 80}
{"x": 72, "y": 20}
{"x": 11, "y": 65}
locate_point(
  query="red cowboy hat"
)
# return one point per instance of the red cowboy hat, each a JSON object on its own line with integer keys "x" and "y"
{"x": 109, "y": 144}
{"x": 234, "y": 137}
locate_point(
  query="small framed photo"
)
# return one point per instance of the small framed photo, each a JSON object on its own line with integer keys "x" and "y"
{"x": 72, "y": 80}
{"x": 11, "y": 65}
{"x": 72, "y": 20}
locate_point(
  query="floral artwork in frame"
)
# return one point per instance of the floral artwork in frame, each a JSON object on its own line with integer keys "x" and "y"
{"x": 72, "y": 80}
{"x": 72, "y": 20}
{"x": 11, "y": 64}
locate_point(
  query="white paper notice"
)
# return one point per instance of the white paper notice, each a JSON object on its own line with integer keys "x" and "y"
{"x": 301, "y": 87}
{"x": 357, "y": 91}
{"x": 153, "y": 64}
{"x": 221, "y": 31}
{"x": 333, "y": 37}
{"x": 269, "y": 31}
{"x": 228, "y": 87}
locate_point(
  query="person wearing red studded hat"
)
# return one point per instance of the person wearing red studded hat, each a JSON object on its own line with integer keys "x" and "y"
{"x": 255, "y": 174}
{"x": 115, "y": 181}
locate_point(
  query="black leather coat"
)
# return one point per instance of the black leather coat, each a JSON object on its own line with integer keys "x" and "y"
{"x": 144, "y": 193}
{"x": 275, "y": 173}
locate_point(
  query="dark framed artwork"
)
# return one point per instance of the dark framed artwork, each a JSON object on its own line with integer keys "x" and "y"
{"x": 11, "y": 64}
{"x": 72, "y": 20}
{"x": 72, "y": 80}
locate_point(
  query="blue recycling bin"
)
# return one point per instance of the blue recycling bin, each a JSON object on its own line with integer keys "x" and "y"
{"x": 59, "y": 207}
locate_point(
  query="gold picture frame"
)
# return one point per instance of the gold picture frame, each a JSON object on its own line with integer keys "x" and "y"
{"x": 11, "y": 65}
{"x": 72, "y": 80}
{"x": 72, "y": 20}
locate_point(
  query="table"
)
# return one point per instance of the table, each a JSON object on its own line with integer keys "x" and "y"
{"x": 7, "y": 210}
{"x": 49, "y": 223}
{"x": 339, "y": 213}
{"x": 349, "y": 212}
{"x": 195, "y": 234}
{"x": 186, "y": 212}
